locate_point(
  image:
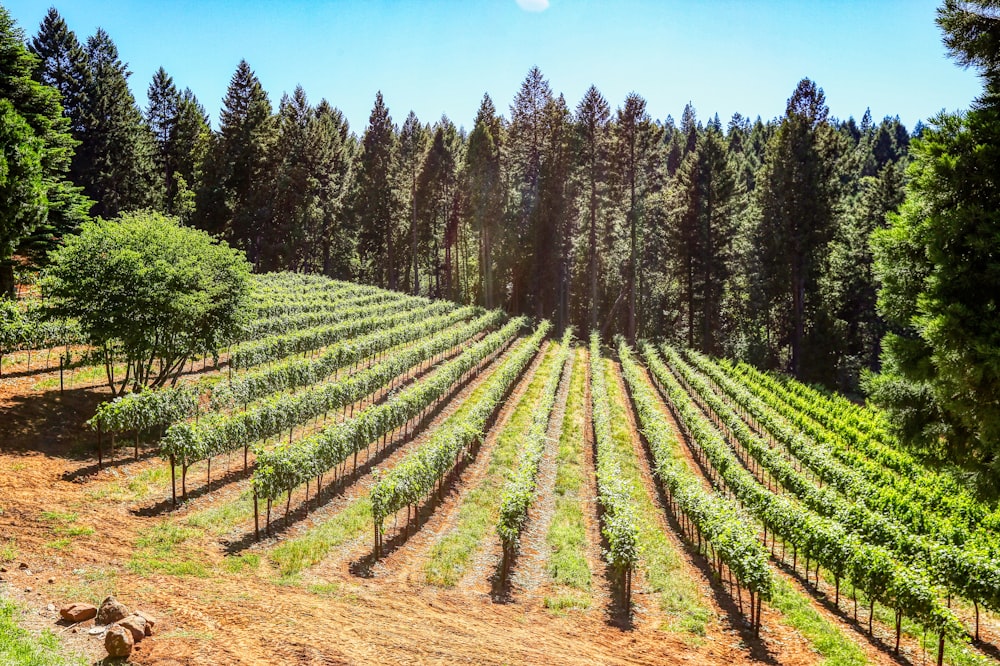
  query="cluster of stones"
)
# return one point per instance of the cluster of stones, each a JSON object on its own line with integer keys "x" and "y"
{"x": 124, "y": 628}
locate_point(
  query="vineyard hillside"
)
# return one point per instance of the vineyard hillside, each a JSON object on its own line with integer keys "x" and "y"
{"x": 363, "y": 476}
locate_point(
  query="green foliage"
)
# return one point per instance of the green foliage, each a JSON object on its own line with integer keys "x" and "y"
{"x": 718, "y": 519}
{"x": 417, "y": 474}
{"x": 846, "y": 549}
{"x": 939, "y": 273}
{"x": 286, "y": 467}
{"x": 35, "y": 151}
{"x": 19, "y": 646}
{"x": 795, "y": 204}
{"x": 148, "y": 292}
{"x": 374, "y": 201}
{"x": 619, "y": 523}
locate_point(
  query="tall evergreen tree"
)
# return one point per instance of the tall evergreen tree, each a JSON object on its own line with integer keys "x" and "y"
{"x": 637, "y": 142}
{"x": 704, "y": 229}
{"x": 434, "y": 201}
{"x": 234, "y": 199}
{"x": 332, "y": 151}
{"x": 484, "y": 192}
{"x": 117, "y": 146}
{"x": 413, "y": 144}
{"x": 796, "y": 203}
{"x": 939, "y": 268}
{"x": 524, "y": 150}
{"x": 161, "y": 116}
{"x": 592, "y": 120}
{"x": 848, "y": 284}
{"x": 36, "y": 200}
{"x": 375, "y": 201}
{"x": 187, "y": 151}
{"x": 62, "y": 64}
{"x": 295, "y": 219}
{"x": 554, "y": 229}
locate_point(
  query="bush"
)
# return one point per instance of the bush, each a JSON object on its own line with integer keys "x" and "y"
{"x": 148, "y": 292}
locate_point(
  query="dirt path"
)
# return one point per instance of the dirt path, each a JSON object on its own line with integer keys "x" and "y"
{"x": 406, "y": 564}
{"x": 529, "y": 571}
{"x": 480, "y": 576}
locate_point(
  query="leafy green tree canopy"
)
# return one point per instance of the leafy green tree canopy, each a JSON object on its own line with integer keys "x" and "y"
{"x": 150, "y": 293}
{"x": 939, "y": 267}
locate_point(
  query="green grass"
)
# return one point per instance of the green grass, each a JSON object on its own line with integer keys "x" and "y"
{"x": 224, "y": 517}
{"x": 59, "y": 544}
{"x": 57, "y": 517}
{"x": 8, "y": 550}
{"x": 567, "y": 535}
{"x": 90, "y": 375}
{"x": 661, "y": 561}
{"x": 241, "y": 564}
{"x": 828, "y": 639}
{"x": 561, "y": 603}
{"x": 294, "y": 555}
{"x": 65, "y": 526}
{"x": 134, "y": 487}
{"x": 160, "y": 550}
{"x": 450, "y": 556}
{"x": 95, "y": 586}
{"x": 21, "y": 647}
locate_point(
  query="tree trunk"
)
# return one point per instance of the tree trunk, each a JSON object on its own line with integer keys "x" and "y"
{"x": 7, "y": 279}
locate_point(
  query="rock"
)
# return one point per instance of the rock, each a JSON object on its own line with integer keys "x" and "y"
{"x": 150, "y": 621}
{"x": 22, "y": 566}
{"x": 3, "y": 569}
{"x": 97, "y": 630}
{"x": 136, "y": 624}
{"x": 78, "y": 612}
{"x": 118, "y": 641}
{"x": 51, "y": 608}
{"x": 51, "y": 580}
{"x": 111, "y": 611}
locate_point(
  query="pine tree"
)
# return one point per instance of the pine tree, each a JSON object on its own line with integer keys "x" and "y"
{"x": 294, "y": 214}
{"x": 161, "y": 116}
{"x": 637, "y": 142}
{"x": 413, "y": 144}
{"x": 332, "y": 150}
{"x": 484, "y": 193}
{"x": 37, "y": 203}
{"x": 62, "y": 64}
{"x": 233, "y": 200}
{"x": 434, "y": 199}
{"x": 554, "y": 226}
{"x": 375, "y": 202}
{"x": 939, "y": 272}
{"x": 186, "y": 153}
{"x": 117, "y": 150}
{"x": 795, "y": 206}
{"x": 592, "y": 119}
{"x": 524, "y": 150}
{"x": 702, "y": 230}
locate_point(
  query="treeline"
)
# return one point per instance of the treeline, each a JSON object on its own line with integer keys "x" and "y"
{"x": 748, "y": 239}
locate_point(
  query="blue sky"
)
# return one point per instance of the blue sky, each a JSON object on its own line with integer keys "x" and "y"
{"x": 440, "y": 57}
